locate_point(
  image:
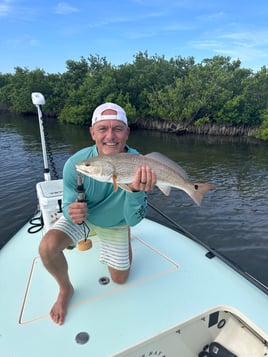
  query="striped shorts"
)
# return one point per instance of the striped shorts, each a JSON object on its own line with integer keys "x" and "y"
{"x": 114, "y": 241}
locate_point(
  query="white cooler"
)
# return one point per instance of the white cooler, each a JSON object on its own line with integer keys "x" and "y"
{"x": 49, "y": 195}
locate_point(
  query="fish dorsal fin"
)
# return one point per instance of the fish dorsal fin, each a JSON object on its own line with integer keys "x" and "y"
{"x": 168, "y": 162}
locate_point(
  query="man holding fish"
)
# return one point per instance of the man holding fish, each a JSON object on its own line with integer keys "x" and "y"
{"x": 107, "y": 212}
{"x": 116, "y": 179}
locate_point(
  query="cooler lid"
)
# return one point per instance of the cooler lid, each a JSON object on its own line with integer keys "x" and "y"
{"x": 50, "y": 189}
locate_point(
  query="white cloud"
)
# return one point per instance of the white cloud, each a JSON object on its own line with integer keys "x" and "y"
{"x": 24, "y": 41}
{"x": 177, "y": 27}
{"x": 212, "y": 17}
{"x": 249, "y": 47}
{"x": 136, "y": 35}
{"x": 64, "y": 8}
{"x": 206, "y": 44}
{"x": 5, "y": 8}
{"x": 253, "y": 38}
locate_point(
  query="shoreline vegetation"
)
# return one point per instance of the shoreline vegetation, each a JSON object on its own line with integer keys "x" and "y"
{"x": 214, "y": 97}
{"x": 204, "y": 129}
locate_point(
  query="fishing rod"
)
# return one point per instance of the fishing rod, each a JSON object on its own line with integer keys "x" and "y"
{"x": 38, "y": 100}
{"x": 170, "y": 220}
{"x": 212, "y": 252}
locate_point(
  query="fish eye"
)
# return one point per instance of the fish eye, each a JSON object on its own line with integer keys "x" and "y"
{"x": 196, "y": 187}
{"x": 87, "y": 165}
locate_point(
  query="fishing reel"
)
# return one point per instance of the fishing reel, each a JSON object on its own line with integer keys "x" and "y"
{"x": 85, "y": 243}
{"x": 80, "y": 188}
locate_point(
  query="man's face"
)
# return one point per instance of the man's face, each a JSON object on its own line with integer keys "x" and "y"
{"x": 110, "y": 136}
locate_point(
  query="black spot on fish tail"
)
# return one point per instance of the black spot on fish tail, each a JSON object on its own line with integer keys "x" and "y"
{"x": 199, "y": 190}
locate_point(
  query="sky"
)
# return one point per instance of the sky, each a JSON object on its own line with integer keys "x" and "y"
{"x": 45, "y": 34}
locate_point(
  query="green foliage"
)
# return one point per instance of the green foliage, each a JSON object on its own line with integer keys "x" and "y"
{"x": 217, "y": 90}
{"x": 73, "y": 114}
{"x": 262, "y": 132}
{"x": 202, "y": 121}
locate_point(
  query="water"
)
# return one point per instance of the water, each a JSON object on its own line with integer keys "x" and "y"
{"x": 232, "y": 219}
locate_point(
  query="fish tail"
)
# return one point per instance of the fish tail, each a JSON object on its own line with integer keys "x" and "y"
{"x": 199, "y": 191}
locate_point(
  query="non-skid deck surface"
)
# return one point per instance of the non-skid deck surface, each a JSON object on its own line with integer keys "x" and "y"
{"x": 89, "y": 277}
{"x": 171, "y": 281}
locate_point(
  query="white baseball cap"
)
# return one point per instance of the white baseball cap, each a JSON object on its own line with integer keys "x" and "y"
{"x": 98, "y": 113}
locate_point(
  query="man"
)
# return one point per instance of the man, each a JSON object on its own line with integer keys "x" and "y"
{"x": 109, "y": 213}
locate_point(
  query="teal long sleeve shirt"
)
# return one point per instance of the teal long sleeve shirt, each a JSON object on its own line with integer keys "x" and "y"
{"x": 106, "y": 208}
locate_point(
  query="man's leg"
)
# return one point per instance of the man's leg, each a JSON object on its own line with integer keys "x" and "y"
{"x": 51, "y": 252}
{"x": 120, "y": 276}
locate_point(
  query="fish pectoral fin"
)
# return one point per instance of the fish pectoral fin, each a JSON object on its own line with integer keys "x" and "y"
{"x": 124, "y": 187}
{"x": 115, "y": 183}
{"x": 165, "y": 189}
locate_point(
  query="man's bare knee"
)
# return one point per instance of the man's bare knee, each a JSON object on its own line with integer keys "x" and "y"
{"x": 119, "y": 276}
{"x": 53, "y": 242}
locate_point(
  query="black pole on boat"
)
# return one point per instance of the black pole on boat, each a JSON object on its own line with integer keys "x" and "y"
{"x": 39, "y": 100}
{"x": 212, "y": 252}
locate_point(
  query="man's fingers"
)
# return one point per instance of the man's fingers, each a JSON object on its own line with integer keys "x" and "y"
{"x": 147, "y": 178}
{"x": 144, "y": 179}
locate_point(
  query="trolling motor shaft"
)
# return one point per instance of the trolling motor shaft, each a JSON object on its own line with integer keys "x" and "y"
{"x": 39, "y": 100}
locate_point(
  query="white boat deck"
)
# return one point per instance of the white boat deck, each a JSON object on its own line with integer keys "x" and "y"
{"x": 171, "y": 282}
